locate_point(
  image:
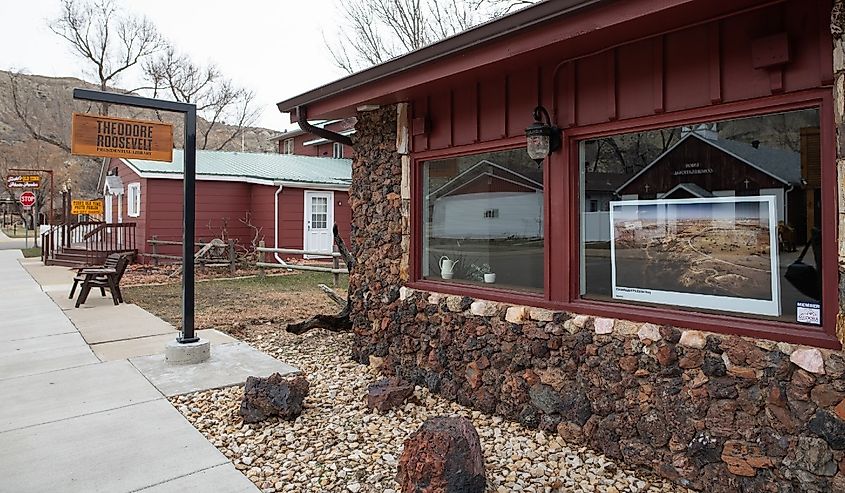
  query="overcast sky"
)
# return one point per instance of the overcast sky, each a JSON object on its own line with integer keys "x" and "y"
{"x": 274, "y": 47}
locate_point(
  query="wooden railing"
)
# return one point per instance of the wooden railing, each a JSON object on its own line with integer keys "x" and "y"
{"x": 108, "y": 238}
{"x": 65, "y": 236}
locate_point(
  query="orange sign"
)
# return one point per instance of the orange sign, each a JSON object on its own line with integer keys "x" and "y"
{"x": 86, "y": 207}
{"x": 104, "y": 136}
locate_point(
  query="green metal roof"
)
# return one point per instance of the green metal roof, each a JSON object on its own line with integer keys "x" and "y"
{"x": 255, "y": 166}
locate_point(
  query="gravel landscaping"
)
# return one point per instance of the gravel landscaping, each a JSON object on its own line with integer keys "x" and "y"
{"x": 338, "y": 445}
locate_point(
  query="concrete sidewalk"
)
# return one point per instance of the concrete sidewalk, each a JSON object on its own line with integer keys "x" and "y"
{"x": 73, "y": 423}
{"x": 7, "y": 243}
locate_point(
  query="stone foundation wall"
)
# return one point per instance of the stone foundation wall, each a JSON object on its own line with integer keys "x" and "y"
{"x": 715, "y": 413}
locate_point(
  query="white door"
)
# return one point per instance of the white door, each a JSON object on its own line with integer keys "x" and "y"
{"x": 319, "y": 218}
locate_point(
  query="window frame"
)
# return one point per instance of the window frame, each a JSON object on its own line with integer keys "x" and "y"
{"x": 287, "y": 146}
{"x": 823, "y": 335}
{"x": 416, "y": 254}
{"x": 561, "y": 232}
{"x": 130, "y": 202}
{"x": 337, "y": 150}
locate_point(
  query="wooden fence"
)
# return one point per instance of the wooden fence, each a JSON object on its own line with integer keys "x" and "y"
{"x": 335, "y": 270}
{"x": 230, "y": 259}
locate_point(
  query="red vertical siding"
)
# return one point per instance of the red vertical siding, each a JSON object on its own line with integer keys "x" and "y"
{"x": 292, "y": 214}
{"x": 128, "y": 176}
{"x": 692, "y": 67}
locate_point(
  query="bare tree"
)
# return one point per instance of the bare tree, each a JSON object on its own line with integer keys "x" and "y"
{"x": 374, "y": 31}
{"x": 23, "y": 107}
{"x": 112, "y": 40}
{"x": 175, "y": 76}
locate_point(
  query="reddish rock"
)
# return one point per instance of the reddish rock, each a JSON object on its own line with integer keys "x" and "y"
{"x": 273, "y": 396}
{"x": 570, "y": 432}
{"x": 743, "y": 459}
{"x": 473, "y": 374}
{"x": 443, "y": 456}
{"x": 628, "y": 363}
{"x": 666, "y": 355}
{"x": 388, "y": 393}
{"x": 825, "y": 395}
{"x": 692, "y": 358}
{"x": 840, "y": 410}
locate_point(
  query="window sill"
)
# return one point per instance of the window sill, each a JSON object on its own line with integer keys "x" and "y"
{"x": 481, "y": 292}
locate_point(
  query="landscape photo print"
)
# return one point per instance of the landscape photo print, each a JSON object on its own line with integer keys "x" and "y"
{"x": 715, "y": 253}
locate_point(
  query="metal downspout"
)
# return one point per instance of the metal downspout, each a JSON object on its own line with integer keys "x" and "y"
{"x": 276, "y": 225}
{"x": 302, "y": 117}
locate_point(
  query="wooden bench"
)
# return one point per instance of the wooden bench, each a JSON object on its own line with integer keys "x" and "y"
{"x": 107, "y": 276}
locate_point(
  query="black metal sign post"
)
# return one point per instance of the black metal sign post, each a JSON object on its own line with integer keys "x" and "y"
{"x": 190, "y": 112}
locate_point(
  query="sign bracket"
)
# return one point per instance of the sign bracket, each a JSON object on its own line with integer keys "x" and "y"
{"x": 189, "y": 112}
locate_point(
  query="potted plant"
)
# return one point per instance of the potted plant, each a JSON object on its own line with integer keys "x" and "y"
{"x": 483, "y": 272}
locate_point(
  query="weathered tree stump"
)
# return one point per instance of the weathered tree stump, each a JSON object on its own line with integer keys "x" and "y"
{"x": 388, "y": 393}
{"x": 443, "y": 456}
{"x": 273, "y": 396}
{"x": 335, "y": 323}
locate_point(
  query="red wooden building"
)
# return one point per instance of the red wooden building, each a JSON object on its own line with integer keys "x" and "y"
{"x": 300, "y": 142}
{"x": 708, "y": 359}
{"x": 287, "y": 200}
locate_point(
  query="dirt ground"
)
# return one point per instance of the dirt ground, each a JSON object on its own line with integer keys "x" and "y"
{"x": 239, "y": 305}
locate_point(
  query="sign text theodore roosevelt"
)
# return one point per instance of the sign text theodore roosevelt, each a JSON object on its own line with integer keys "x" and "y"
{"x": 104, "y": 136}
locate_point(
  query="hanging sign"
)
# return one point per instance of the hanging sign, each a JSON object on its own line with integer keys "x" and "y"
{"x": 103, "y": 136}
{"x": 27, "y": 199}
{"x": 86, "y": 207}
{"x": 23, "y": 181}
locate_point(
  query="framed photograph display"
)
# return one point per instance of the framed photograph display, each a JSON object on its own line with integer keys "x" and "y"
{"x": 718, "y": 253}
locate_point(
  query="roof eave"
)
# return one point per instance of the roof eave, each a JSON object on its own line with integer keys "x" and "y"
{"x": 481, "y": 34}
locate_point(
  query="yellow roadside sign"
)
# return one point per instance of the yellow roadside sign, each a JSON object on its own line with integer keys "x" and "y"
{"x": 86, "y": 207}
{"x": 104, "y": 136}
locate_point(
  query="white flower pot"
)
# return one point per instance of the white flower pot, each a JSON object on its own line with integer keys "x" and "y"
{"x": 489, "y": 278}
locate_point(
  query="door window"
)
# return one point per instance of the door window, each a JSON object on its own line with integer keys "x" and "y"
{"x": 319, "y": 212}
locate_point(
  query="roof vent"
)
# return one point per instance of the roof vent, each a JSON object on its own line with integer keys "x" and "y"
{"x": 755, "y": 144}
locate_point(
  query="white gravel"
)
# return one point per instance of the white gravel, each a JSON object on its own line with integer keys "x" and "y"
{"x": 337, "y": 445}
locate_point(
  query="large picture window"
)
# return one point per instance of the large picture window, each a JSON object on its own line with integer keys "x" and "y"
{"x": 483, "y": 220}
{"x": 721, "y": 217}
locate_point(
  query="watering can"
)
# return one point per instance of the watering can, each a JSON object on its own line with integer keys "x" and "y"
{"x": 447, "y": 267}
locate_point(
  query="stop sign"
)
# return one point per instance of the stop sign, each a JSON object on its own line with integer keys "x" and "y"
{"x": 27, "y": 199}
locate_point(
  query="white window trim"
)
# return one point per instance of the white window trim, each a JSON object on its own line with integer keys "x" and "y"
{"x": 337, "y": 150}
{"x": 133, "y": 199}
{"x": 287, "y": 146}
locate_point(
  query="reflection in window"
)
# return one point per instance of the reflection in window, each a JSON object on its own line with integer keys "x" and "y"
{"x": 707, "y": 217}
{"x": 483, "y": 220}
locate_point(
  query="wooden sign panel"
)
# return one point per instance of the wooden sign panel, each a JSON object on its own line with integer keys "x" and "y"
{"x": 104, "y": 136}
{"x": 23, "y": 181}
{"x": 86, "y": 207}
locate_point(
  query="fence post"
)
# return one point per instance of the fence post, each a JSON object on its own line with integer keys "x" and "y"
{"x": 232, "y": 258}
{"x": 261, "y": 259}
{"x": 155, "y": 250}
{"x": 335, "y": 275}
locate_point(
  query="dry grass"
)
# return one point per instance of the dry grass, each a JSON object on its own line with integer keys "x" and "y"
{"x": 233, "y": 305}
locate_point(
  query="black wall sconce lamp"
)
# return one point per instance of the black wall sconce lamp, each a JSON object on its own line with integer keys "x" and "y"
{"x": 543, "y": 137}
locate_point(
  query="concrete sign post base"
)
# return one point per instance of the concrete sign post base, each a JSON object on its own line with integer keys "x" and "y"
{"x": 187, "y": 353}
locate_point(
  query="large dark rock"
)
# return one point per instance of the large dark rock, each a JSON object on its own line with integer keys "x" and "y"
{"x": 443, "y": 456}
{"x": 273, "y": 396}
{"x": 388, "y": 393}
{"x": 829, "y": 427}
